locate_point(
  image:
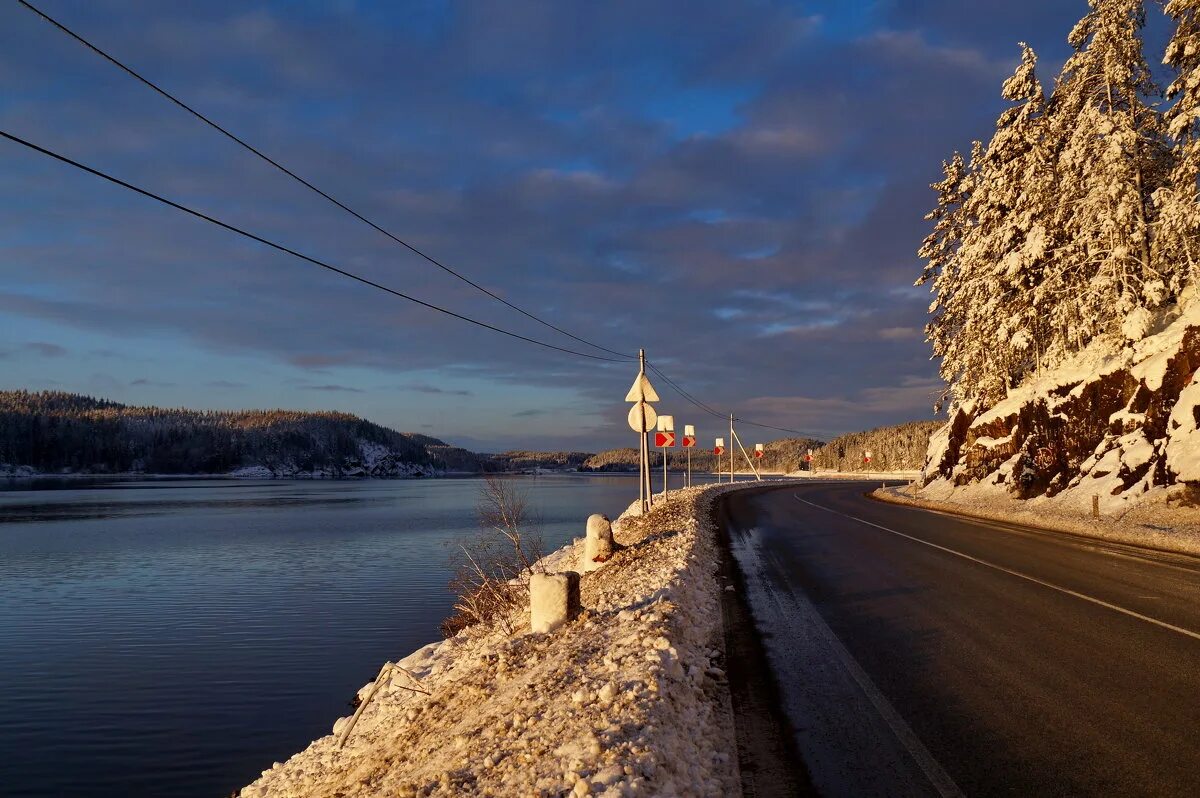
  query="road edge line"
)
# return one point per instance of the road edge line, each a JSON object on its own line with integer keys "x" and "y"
{"x": 1011, "y": 572}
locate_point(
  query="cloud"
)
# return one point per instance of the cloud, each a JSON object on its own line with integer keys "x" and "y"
{"x": 900, "y": 333}
{"x": 225, "y": 384}
{"x": 532, "y": 413}
{"x": 435, "y": 390}
{"x": 737, "y": 187}
{"x": 332, "y": 388}
{"x": 46, "y": 350}
{"x": 145, "y": 382}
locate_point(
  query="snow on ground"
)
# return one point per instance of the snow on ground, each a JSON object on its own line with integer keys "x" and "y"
{"x": 1158, "y": 521}
{"x": 629, "y": 699}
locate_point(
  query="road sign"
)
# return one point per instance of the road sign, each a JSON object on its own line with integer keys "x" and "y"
{"x": 666, "y": 423}
{"x": 636, "y": 417}
{"x": 642, "y": 391}
{"x": 664, "y": 440}
{"x": 758, "y": 450}
{"x": 689, "y": 430}
{"x": 689, "y": 441}
{"x": 719, "y": 449}
{"x": 808, "y": 458}
{"x": 867, "y": 456}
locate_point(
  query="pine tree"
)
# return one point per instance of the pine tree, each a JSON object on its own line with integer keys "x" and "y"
{"x": 1110, "y": 160}
{"x": 986, "y": 328}
{"x": 1178, "y": 230}
{"x": 940, "y": 253}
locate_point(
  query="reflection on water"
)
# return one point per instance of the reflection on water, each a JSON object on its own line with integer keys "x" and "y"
{"x": 177, "y": 637}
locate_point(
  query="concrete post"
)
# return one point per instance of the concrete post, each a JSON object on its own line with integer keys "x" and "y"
{"x": 598, "y": 546}
{"x": 553, "y": 600}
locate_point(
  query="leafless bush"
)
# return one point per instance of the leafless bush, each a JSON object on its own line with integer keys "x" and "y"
{"x": 491, "y": 569}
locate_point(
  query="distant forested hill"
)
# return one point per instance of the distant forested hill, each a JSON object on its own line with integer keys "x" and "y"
{"x": 898, "y": 448}
{"x": 55, "y": 432}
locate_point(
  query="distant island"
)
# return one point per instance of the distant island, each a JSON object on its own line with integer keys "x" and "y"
{"x": 57, "y": 433}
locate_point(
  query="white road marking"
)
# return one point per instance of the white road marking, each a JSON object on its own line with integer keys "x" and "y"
{"x": 1018, "y": 574}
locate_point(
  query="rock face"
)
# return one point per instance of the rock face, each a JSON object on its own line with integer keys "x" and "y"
{"x": 1120, "y": 426}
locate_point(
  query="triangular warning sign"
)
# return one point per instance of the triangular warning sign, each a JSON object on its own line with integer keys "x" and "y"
{"x": 642, "y": 391}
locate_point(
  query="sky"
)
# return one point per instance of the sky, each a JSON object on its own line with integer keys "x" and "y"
{"x": 736, "y": 187}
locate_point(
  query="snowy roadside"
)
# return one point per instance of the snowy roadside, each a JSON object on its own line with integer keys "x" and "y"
{"x": 628, "y": 699}
{"x": 1151, "y": 524}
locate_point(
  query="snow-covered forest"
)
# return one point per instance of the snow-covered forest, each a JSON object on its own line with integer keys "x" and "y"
{"x": 1078, "y": 221}
{"x": 900, "y": 447}
{"x": 1063, "y": 262}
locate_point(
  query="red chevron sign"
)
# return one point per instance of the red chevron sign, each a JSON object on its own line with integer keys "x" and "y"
{"x": 664, "y": 439}
{"x": 689, "y": 441}
{"x": 719, "y": 450}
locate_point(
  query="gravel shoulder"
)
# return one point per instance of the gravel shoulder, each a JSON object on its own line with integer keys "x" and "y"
{"x": 632, "y": 698}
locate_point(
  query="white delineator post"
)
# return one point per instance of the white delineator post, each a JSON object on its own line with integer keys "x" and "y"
{"x": 689, "y": 434}
{"x": 598, "y": 546}
{"x": 553, "y": 600}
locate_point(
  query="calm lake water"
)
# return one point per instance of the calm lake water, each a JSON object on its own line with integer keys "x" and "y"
{"x": 175, "y": 638}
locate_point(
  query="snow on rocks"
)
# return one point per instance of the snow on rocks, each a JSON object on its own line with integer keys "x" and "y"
{"x": 627, "y": 699}
{"x": 1118, "y": 423}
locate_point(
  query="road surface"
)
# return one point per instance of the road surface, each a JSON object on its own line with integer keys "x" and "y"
{"x": 918, "y": 653}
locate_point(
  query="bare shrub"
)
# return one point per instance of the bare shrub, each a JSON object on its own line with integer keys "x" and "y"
{"x": 491, "y": 569}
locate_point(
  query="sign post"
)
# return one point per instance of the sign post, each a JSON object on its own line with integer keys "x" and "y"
{"x": 718, "y": 450}
{"x": 642, "y": 419}
{"x": 689, "y": 443}
{"x": 665, "y": 439}
{"x": 867, "y": 460}
{"x": 731, "y": 441}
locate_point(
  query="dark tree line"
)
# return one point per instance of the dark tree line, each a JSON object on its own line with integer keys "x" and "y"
{"x": 54, "y": 431}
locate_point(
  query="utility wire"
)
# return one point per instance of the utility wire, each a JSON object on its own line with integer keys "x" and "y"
{"x": 717, "y": 414}
{"x": 249, "y": 147}
{"x": 307, "y": 184}
{"x": 292, "y": 252}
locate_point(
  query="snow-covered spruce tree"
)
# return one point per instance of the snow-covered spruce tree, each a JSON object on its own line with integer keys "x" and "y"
{"x": 1110, "y": 160}
{"x": 1178, "y": 229}
{"x": 940, "y": 253}
{"x": 986, "y": 253}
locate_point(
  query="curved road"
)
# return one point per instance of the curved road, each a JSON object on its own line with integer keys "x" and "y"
{"x": 919, "y": 653}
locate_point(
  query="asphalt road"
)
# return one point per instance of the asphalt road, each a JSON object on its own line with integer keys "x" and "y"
{"x": 918, "y": 653}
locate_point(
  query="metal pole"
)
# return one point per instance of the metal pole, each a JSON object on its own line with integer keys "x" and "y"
{"x": 643, "y": 453}
{"x": 664, "y": 473}
{"x": 731, "y": 448}
{"x": 689, "y": 476}
{"x": 749, "y": 462}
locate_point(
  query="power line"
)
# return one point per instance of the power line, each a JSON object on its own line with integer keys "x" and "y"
{"x": 717, "y": 414}
{"x": 146, "y": 81}
{"x": 801, "y": 433}
{"x": 685, "y": 394}
{"x": 292, "y": 252}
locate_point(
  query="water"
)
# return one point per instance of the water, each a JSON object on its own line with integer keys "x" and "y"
{"x": 178, "y": 637}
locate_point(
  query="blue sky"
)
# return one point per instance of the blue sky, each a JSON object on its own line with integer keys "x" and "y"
{"x": 738, "y": 187}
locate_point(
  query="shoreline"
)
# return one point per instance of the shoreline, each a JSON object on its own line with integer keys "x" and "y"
{"x": 632, "y": 696}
